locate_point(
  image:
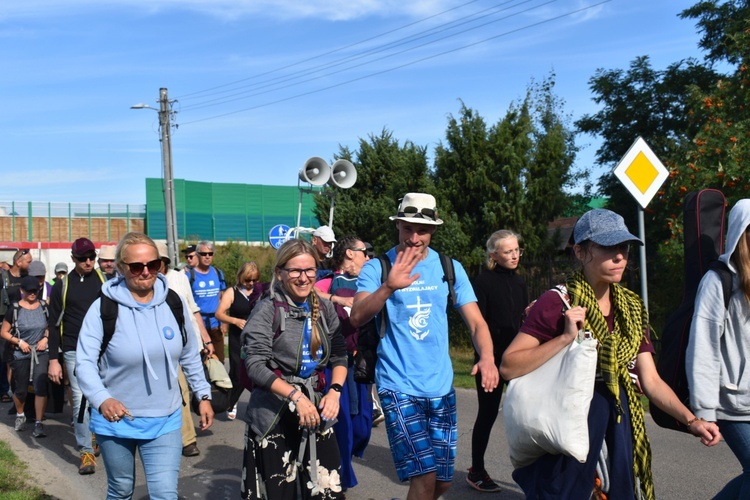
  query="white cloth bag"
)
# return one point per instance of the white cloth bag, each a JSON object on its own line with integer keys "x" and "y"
{"x": 546, "y": 410}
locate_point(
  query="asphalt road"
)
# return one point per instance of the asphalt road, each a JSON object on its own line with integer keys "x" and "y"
{"x": 683, "y": 468}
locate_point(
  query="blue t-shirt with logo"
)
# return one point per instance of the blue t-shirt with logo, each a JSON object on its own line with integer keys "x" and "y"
{"x": 413, "y": 356}
{"x": 308, "y": 364}
{"x": 206, "y": 290}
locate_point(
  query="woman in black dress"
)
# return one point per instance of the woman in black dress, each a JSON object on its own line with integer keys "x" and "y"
{"x": 234, "y": 308}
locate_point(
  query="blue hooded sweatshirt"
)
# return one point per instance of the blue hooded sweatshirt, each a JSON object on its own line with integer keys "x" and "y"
{"x": 139, "y": 367}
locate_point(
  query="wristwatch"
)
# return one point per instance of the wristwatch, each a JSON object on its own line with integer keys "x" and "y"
{"x": 206, "y": 397}
{"x": 337, "y": 388}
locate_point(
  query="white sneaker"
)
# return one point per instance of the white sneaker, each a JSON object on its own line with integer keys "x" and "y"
{"x": 232, "y": 414}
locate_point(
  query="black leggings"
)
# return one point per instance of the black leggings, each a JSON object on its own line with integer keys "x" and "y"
{"x": 489, "y": 404}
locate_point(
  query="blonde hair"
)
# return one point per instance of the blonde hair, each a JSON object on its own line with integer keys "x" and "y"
{"x": 130, "y": 239}
{"x": 246, "y": 270}
{"x": 499, "y": 235}
{"x": 741, "y": 258}
{"x": 285, "y": 253}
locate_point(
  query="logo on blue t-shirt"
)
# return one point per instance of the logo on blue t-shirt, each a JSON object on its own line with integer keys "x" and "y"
{"x": 419, "y": 320}
{"x": 168, "y": 333}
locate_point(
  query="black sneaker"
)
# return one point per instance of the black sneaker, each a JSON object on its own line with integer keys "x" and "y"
{"x": 482, "y": 482}
{"x": 39, "y": 430}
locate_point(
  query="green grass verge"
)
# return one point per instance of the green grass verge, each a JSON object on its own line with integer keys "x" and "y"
{"x": 463, "y": 361}
{"x": 14, "y": 483}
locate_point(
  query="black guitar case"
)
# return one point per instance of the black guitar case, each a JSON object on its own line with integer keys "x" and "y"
{"x": 704, "y": 220}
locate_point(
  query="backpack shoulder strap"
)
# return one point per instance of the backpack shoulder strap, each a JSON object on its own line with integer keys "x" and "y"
{"x": 108, "y": 311}
{"x": 6, "y": 279}
{"x": 385, "y": 266}
{"x": 101, "y": 275}
{"x": 44, "y": 308}
{"x": 14, "y": 325}
{"x": 725, "y": 275}
{"x": 220, "y": 273}
{"x": 449, "y": 276}
{"x": 175, "y": 304}
{"x": 191, "y": 274}
{"x": 280, "y": 312}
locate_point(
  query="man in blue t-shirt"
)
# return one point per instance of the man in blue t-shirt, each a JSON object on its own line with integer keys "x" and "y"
{"x": 208, "y": 285}
{"x": 414, "y": 374}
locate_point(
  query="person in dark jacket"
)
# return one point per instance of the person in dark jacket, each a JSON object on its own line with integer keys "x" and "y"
{"x": 290, "y": 337}
{"x": 502, "y": 297}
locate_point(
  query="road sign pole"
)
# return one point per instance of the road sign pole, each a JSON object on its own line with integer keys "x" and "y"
{"x": 642, "y": 236}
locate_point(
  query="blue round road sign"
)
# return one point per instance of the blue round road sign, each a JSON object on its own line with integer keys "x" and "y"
{"x": 278, "y": 235}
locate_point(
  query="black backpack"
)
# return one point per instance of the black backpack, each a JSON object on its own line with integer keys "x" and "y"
{"x": 108, "y": 311}
{"x": 370, "y": 333}
{"x": 704, "y": 241}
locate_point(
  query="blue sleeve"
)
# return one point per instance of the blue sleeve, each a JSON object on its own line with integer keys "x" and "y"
{"x": 464, "y": 291}
{"x": 87, "y": 357}
{"x": 369, "y": 278}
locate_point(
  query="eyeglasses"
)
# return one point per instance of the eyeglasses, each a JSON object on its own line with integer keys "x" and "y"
{"x": 422, "y": 213}
{"x": 137, "y": 267}
{"x": 205, "y": 254}
{"x": 310, "y": 272}
{"x": 34, "y": 292}
{"x": 622, "y": 248}
{"x": 363, "y": 250}
{"x": 84, "y": 258}
{"x": 191, "y": 256}
{"x": 510, "y": 253}
{"x": 249, "y": 281}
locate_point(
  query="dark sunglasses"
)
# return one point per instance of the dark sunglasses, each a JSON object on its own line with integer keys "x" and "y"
{"x": 191, "y": 256}
{"x": 622, "y": 248}
{"x": 363, "y": 250}
{"x": 84, "y": 258}
{"x": 35, "y": 292}
{"x": 205, "y": 254}
{"x": 137, "y": 267}
{"x": 422, "y": 213}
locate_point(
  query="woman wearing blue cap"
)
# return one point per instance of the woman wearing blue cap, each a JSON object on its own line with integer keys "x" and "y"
{"x": 619, "y": 459}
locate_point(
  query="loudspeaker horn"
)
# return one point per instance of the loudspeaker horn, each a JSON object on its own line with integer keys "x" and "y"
{"x": 316, "y": 171}
{"x": 343, "y": 174}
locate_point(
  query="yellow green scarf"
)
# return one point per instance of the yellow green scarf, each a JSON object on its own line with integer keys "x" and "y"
{"x": 616, "y": 350}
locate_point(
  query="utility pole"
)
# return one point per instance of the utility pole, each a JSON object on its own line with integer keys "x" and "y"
{"x": 165, "y": 114}
{"x": 170, "y": 211}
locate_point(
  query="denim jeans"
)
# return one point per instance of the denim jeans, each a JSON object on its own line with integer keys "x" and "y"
{"x": 737, "y": 435}
{"x": 82, "y": 431}
{"x": 160, "y": 458}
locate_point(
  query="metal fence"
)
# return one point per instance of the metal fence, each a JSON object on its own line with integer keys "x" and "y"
{"x": 64, "y": 222}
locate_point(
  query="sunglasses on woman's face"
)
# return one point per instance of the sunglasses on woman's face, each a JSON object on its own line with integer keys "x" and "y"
{"x": 136, "y": 268}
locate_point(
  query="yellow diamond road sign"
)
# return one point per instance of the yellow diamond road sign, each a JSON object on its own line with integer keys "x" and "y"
{"x": 641, "y": 172}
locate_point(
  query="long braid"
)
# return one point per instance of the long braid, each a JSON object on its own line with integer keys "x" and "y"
{"x": 616, "y": 350}
{"x": 314, "y": 316}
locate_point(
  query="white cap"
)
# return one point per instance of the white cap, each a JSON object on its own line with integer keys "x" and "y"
{"x": 325, "y": 233}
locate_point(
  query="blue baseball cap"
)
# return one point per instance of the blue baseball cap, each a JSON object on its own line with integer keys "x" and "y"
{"x": 603, "y": 227}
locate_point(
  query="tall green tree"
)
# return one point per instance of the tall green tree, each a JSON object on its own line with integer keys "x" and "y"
{"x": 511, "y": 175}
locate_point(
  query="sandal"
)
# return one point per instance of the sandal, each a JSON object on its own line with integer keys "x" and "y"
{"x": 6, "y": 399}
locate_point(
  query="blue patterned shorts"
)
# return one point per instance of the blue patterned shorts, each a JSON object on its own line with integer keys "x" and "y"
{"x": 422, "y": 433}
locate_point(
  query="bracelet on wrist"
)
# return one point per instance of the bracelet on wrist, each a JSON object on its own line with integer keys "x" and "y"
{"x": 298, "y": 398}
{"x": 694, "y": 420}
{"x": 294, "y": 391}
{"x": 207, "y": 343}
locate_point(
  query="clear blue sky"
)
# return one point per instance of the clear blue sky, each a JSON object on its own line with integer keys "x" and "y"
{"x": 262, "y": 85}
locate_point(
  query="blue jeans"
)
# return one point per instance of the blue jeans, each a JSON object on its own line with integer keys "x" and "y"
{"x": 83, "y": 433}
{"x": 737, "y": 435}
{"x": 161, "y": 463}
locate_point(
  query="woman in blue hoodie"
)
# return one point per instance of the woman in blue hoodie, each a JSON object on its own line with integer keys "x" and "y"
{"x": 132, "y": 388}
{"x": 719, "y": 349}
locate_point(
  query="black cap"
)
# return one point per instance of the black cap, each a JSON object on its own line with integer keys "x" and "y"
{"x": 189, "y": 249}
{"x": 30, "y": 283}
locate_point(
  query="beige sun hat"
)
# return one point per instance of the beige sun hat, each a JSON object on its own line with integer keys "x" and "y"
{"x": 419, "y": 208}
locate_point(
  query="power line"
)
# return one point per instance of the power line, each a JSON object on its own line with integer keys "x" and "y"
{"x": 477, "y": 16}
{"x": 276, "y": 86}
{"x": 187, "y": 96}
{"x": 401, "y": 66}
